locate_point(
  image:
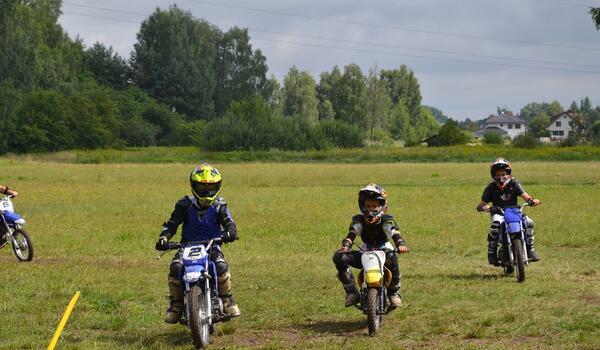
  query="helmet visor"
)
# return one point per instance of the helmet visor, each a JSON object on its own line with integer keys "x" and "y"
{"x": 206, "y": 189}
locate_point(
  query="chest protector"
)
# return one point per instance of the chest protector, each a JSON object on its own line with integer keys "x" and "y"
{"x": 201, "y": 226}
{"x": 373, "y": 234}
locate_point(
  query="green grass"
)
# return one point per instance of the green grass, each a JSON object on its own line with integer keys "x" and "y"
{"x": 476, "y": 153}
{"x": 94, "y": 228}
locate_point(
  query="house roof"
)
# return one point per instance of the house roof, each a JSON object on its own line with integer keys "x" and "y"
{"x": 491, "y": 130}
{"x": 505, "y": 118}
{"x": 576, "y": 118}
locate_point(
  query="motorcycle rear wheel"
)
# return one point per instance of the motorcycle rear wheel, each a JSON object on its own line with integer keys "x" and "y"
{"x": 197, "y": 313}
{"x": 373, "y": 319}
{"x": 22, "y": 245}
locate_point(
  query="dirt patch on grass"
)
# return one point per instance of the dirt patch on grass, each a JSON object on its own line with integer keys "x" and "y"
{"x": 287, "y": 338}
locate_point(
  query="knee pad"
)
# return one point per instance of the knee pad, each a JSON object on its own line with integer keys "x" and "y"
{"x": 175, "y": 270}
{"x": 529, "y": 226}
{"x": 338, "y": 260}
{"x": 222, "y": 267}
{"x": 494, "y": 231}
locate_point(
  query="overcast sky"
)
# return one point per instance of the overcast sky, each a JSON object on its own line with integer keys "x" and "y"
{"x": 470, "y": 56}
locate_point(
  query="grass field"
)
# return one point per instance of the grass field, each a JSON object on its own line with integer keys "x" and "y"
{"x": 94, "y": 228}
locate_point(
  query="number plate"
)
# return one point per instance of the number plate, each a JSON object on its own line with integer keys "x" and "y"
{"x": 6, "y": 205}
{"x": 194, "y": 253}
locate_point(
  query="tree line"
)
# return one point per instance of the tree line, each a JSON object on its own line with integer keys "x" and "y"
{"x": 186, "y": 82}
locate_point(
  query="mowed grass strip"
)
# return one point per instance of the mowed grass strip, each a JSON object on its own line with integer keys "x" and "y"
{"x": 94, "y": 228}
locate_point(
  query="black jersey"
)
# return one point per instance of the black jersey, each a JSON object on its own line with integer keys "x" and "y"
{"x": 503, "y": 197}
{"x": 375, "y": 234}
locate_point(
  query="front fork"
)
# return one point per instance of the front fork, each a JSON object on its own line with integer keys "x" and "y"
{"x": 507, "y": 244}
{"x": 382, "y": 302}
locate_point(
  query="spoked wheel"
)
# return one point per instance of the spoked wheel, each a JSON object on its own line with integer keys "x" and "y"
{"x": 519, "y": 254}
{"x": 373, "y": 319}
{"x": 22, "y": 245}
{"x": 198, "y": 303}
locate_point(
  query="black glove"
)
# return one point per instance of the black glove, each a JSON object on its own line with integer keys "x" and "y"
{"x": 229, "y": 236}
{"x": 162, "y": 244}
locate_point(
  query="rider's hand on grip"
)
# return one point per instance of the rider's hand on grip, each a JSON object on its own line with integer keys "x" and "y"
{"x": 228, "y": 237}
{"x": 344, "y": 249}
{"x": 403, "y": 249}
{"x": 162, "y": 244}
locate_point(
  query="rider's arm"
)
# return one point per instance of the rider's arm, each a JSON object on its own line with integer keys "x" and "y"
{"x": 530, "y": 200}
{"x": 392, "y": 231}
{"x": 8, "y": 191}
{"x": 176, "y": 218}
{"x": 226, "y": 221}
{"x": 520, "y": 191}
{"x": 354, "y": 230}
{"x": 483, "y": 206}
{"x": 486, "y": 197}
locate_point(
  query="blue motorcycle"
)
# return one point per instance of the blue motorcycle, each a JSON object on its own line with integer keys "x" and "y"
{"x": 11, "y": 231}
{"x": 513, "y": 251}
{"x": 202, "y": 305}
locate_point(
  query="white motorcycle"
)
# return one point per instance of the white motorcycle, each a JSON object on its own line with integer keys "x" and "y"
{"x": 374, "y": 280}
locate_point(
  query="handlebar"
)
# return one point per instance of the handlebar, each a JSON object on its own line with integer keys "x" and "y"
{"x": 500, "y": 210}
{"x": 179, "y": 245}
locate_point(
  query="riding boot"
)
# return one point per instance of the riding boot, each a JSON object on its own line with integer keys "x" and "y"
{"x": 493, "y": 253}
{"x": 231, "y": 307}
{"x": 352, "y": 295}
{"x": 175, "y": 309}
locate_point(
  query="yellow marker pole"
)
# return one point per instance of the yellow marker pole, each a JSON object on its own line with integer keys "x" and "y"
{"x": 63, "y": 321}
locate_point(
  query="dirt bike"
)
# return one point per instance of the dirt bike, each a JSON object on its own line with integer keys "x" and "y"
{"x": 513, "y": 250}
{"x": 374, "y": 279}
{"x": 202, "y": 305}
{"x": 11, "y": 231}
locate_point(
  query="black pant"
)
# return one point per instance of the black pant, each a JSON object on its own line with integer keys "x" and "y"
{"x": 343, "y": 260}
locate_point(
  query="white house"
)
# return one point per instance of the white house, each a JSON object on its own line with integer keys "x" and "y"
{"x": 506, "y": 124}
{"x": 563, "y": 124}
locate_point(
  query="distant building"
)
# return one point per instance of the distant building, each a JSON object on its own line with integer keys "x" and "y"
{"x": 506, "y": 124}
{"x": 564, "y": 124}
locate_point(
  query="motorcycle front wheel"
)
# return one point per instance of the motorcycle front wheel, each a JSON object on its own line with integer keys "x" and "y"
{"x": 198, "y": 303}
{"x": 22, "y": 245}
{"x": 373, "y": 319}
{"x": 519, "y": 255}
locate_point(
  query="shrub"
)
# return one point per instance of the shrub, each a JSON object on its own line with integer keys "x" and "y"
{"x": 450, "y": 134}
{"x": 526, "y": 140}
{"x": 340, "y": 134}
{"x": 493, "y": 139}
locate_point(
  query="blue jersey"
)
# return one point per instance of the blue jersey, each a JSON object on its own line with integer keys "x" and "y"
{"x": 199, "y": 224}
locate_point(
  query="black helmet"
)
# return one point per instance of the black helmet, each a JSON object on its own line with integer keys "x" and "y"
{"x": 376, "y": 192}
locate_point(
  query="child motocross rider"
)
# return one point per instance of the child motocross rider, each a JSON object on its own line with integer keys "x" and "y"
{"x": 503, "y": 192}
{"x": 204, "y": 216}
{"x": 375, "y": 228}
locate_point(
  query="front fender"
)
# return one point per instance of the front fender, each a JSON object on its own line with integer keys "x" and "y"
{"x": 13, "y": 218}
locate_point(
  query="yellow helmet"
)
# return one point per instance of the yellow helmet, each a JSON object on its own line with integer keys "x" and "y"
{"x": 205, "y": 181}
